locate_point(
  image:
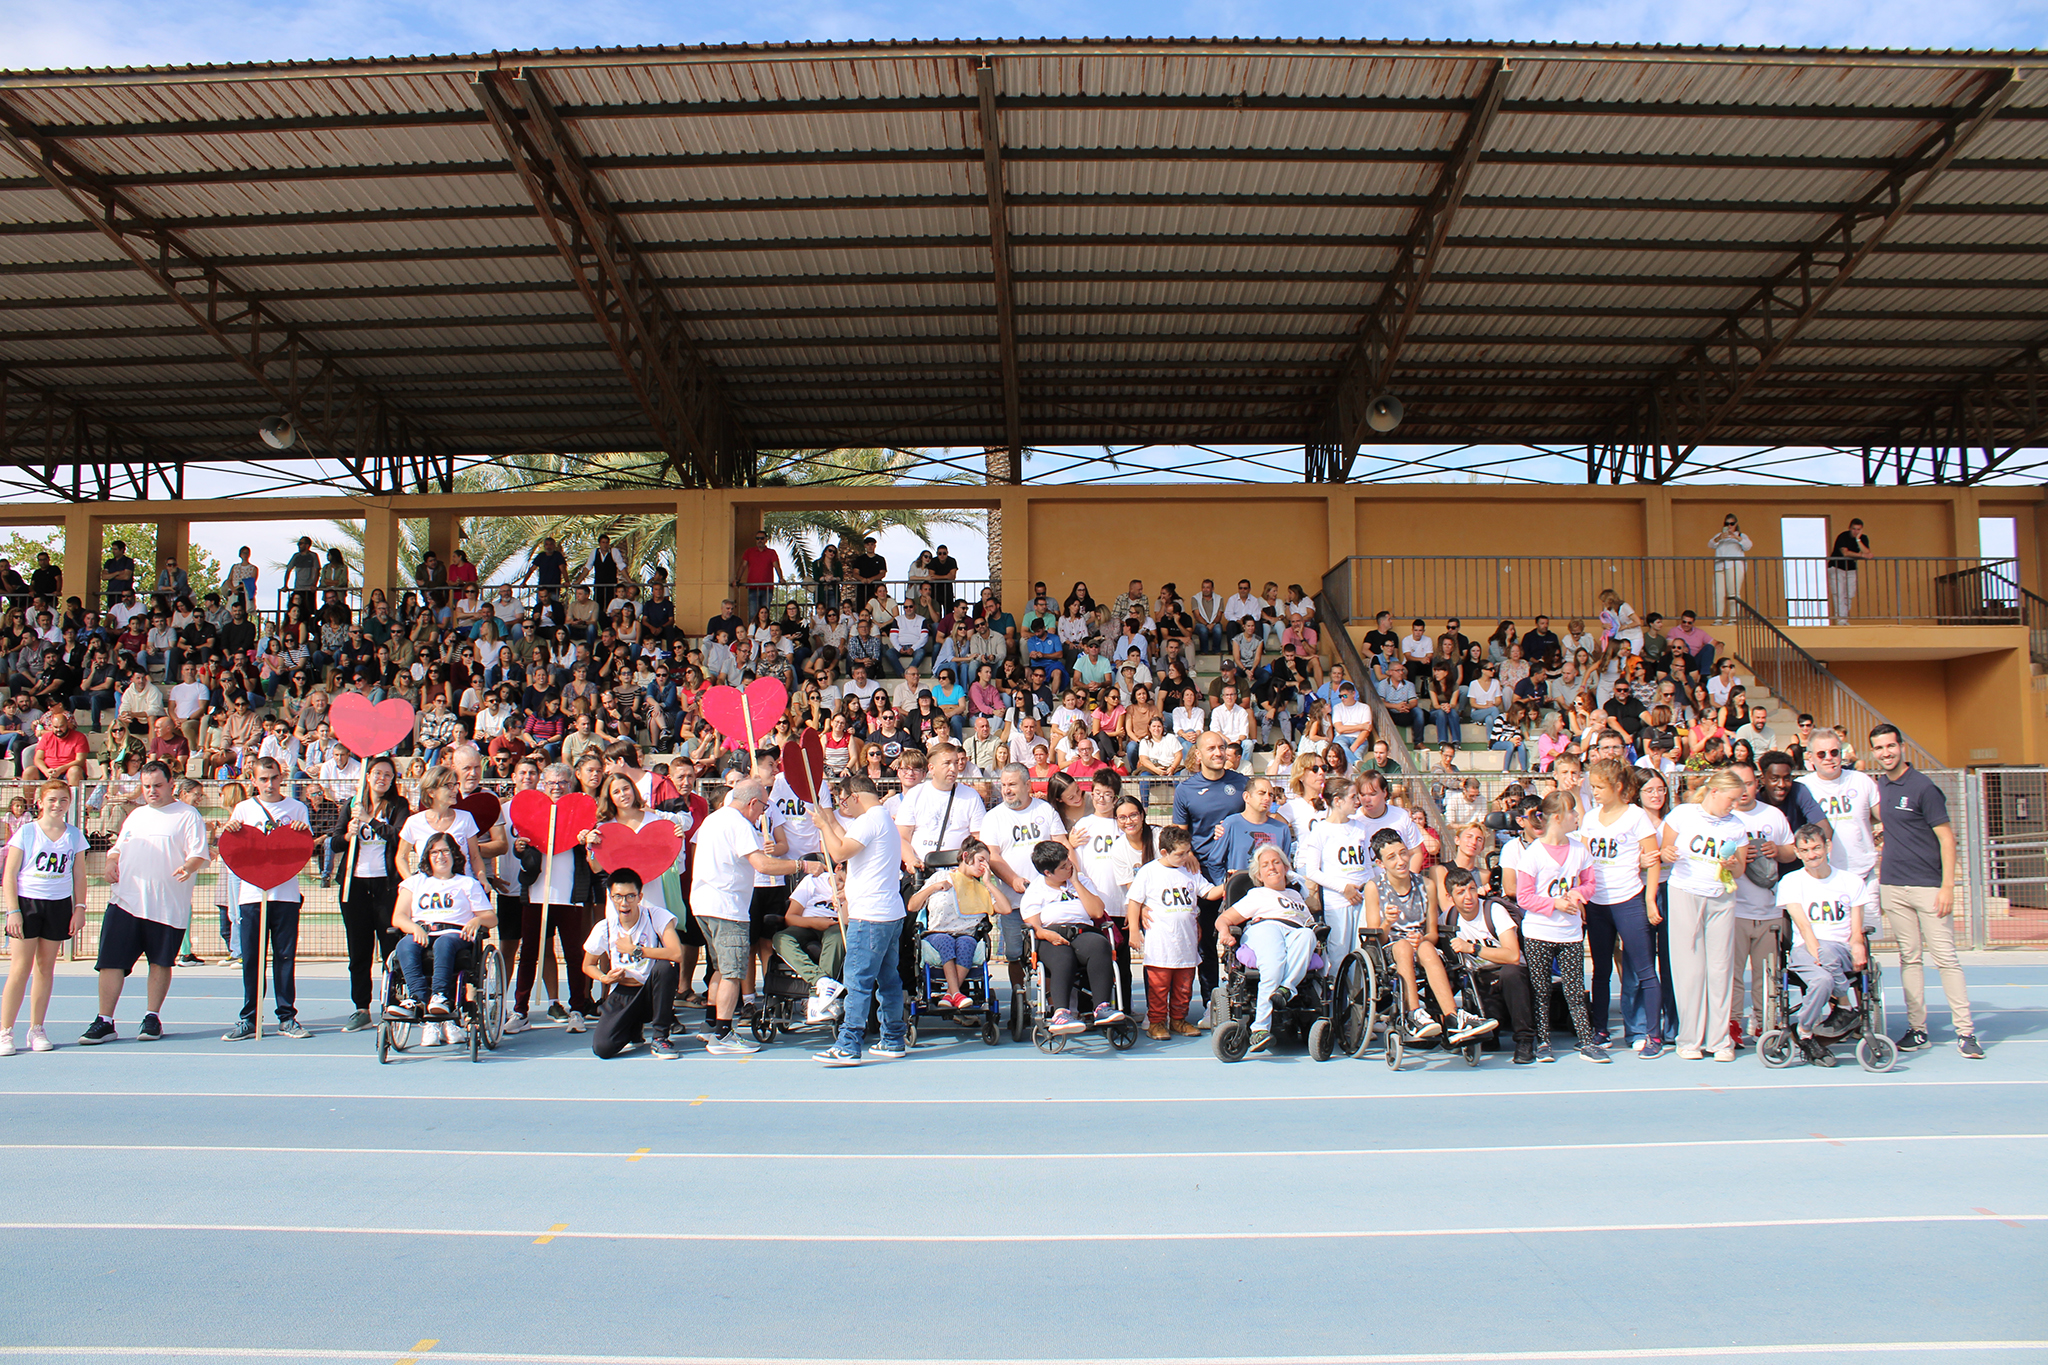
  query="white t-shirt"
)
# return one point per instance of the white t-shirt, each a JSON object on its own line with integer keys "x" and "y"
{"x": 1847, "y": 802}
{"x": 775, "y": 820}
{"x": 189, "y": 700}
{"x": 152, "y": 844}
{"x": 874, "y": 894}
{"x": 1357, "y": 713}
{"x": 1231, "y": 722}
{"x": 924, "y": 805}
{"x": 1171, "y": 895}
{"x": 1393, "y": 818}
{"x": 812, "y": 896}
{"x": 1828, "y": 903}
{"x": 1186, "y": 718}
{"x": 1051, "y": 904}
{"x": 1753, "y": 901}
{"x": 453, "y": 901}
{"x": 1003, "y": 830}
{"x": 799, "y": 835}
{"x": 46, "y": 864}
{"x": 260, "y": 814}
{"x": 1484, "y": 928}
{"x": 1285, "y": 905}
{"x": 1554, "y": 876}
{"x": 1298, "y": 812}
{"x": 1107, "y": 860}
{"x": 1702, "y": 843}
{"x": 341, "y": 779}
{"x": 626, "y": 947}
{"x": 1343, "y": 855}
{"x": 721, "y": 878}
{"x": 416, "y": 831}
{"x": 1616, "y": 851}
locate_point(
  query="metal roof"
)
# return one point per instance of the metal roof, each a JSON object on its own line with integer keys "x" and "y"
{"x": 1642, "y": 249}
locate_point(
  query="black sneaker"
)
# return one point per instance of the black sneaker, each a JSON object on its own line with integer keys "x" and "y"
{"x": 1915, "y": 1040}
{"x": 1261, "y": 1041}
{"x": 191, "y": 960}
{"x": 1838, "y": 1022}
{"x": 152, "y": 1029}
{"x": 1968, "y": 1046}
{"x": 99, "y": 1031}
{"x": 1817, "y": 1052}
{"x": 556, "y": 1012}
{"x": 1525, "y": 1053}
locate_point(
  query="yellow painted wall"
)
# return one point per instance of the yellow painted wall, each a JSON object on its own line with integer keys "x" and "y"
{"x": 1913, "y": 696}
{"x": 1106, "y": 542}
{"x": 1990, "y": 719}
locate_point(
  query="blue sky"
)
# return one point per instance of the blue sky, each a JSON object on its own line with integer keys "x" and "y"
{"x": 147, "y": 32}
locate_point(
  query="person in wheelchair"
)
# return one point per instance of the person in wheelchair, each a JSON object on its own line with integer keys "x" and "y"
{"x": 443, "y": 911}
{"x": 810, "y": 941}
{"x": 1280, "y": 930}
{"x": 1825, "y": 905}
{"x": 957, "y": 902}
{"x": 1483, "y": 933}
{"x": 634, "y": 952}
{"x": 1402, "y": 906}
{"x": 1064, "y": 916}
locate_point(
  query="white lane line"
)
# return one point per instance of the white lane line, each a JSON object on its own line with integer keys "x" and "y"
{"x": 645, "y": 1155}
{"x": 972, "y": 1239}
{"x": 1802, "y": 1348}
{"x": 1704, "y": 1086}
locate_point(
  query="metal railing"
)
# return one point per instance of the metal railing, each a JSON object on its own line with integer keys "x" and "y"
{"x": 1480, "y": 590}
{"x": 1804, "y": 683}
{"x": 2033, "y": 614}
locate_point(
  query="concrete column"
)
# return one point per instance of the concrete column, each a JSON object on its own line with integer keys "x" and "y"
{"x": 380, "y": 550}
{"x": 702, "y": 559}
{"x": 444, "y": 535}
{"x": 1016, "y": 573}
{"x": 1657, "y": 528}
{"x": 81, "y": 555}
{"x": 173, "y": 542}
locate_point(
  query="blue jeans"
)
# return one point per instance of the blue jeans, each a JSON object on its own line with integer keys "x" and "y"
{"x": 1660, "y": 1009}
{"x": 1484, "y": 716}
{"x": 872, "y": 974}
{"x": 284, "y": 954}
{"x": 1446, "y": 725}
{"x": 412, "y": 959}
{"x": 1517, "y": 754}
{"x": 758, "y": 598}
{"x": 1208, "y": 639}
{"x": 1628, "y": 921}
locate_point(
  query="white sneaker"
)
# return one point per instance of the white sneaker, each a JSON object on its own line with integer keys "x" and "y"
{"x": 828, "y": 989}
{"x": 430, "y": 1035}
{"x": 733, "y": 1044}
{"x": 38, "y": 1041}
{"x": 817, "y": 1010}
{"x": 7, "y": 1043}
{"x": 575, "y": 1024}
{"x": 454, "y": 1032}
{"x": 437, "y": 1008}
{"x": 1421, "y": 1025}
{"x": 517, "y": 1024}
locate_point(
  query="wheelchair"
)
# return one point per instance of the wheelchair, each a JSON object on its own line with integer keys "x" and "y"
{"x": 1389, "y": 1008}
{"x": 1778, "y": 1044}
{"x": 480, "y": 1007}
{"x": 1036, "y": 1013}
{"x": 1327, "y": 1010}
{"x": 924, "y": 986}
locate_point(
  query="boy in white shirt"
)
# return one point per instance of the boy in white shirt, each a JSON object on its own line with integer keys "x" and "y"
{"x": 1160, "y": 908}
{"x": 1825, "y": 904}
{"x": 270, "y": 809}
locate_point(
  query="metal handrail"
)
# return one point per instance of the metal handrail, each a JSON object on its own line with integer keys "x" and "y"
{"x": 1805, "y": 684}
{"x": 1480, "y": 589}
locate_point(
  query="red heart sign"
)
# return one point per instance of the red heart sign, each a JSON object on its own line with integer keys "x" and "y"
{"x": 650, "y": 850}
{"x": 265, "y": 858}
{"x": 369, "y": 728}
{"x": 803, "y": 765}
{"x": 574, "y": 813}
{"x": 483, "y": 808}
{"x": 746, "y": 719}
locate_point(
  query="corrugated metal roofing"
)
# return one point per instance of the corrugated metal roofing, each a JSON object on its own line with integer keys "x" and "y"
{"x": 1198, "y": 232}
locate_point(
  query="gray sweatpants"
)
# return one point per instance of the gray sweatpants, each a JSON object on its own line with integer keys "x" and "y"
{"x": 1702, "y": 967}
{"x": 1833, "y": 974}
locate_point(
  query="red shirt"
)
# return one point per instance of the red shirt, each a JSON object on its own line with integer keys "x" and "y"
{"x": 61, "y": 751}
{"x": 759, "y": 565}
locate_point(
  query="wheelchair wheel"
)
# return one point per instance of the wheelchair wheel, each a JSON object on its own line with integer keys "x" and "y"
{"x": 491, "y": 998}
{"x": 399, "y": 1031}
{"x": 1322, "y": 1040}
{"x": 1877, "y": 1053}
{"x": 762, "y": 1026}
{"x": 1042, "y": 1039}
{"x": 1020, "y": 1016}
{"x": 990, "y": 1034}
{"x": 476, "y": 1042}
{"x": 1353, "y": 1010}
{"x": 1775, "y": 1049}
{"x": 909, "y": 1035}
{"x": 384, "y": 1041}
{"x": 1123, "y": 1037}
{"x": 1393, "y": 1049}
{"x": 1231, "y": 1041}
{"x": 1471, "y": 1052}
{"x": 1219, "y": 1006}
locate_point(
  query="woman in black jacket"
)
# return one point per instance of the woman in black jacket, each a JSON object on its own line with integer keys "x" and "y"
{"x": 367, "y": 843}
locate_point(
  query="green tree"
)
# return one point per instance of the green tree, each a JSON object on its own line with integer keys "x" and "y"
{"x": 202, "y": 570}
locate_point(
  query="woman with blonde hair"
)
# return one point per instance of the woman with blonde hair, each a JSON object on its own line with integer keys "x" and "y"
{"x": 1708, "y": 849}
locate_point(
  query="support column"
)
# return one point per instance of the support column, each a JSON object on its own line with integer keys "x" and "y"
{"x": 1015, "y": 575}
{"x": 81, "y": 555}
{"x": 444, "y": 534}
{"x": 1963, "y": 502}
{"x": 1343, "y": 523}
{"x": 173, "y": 542}
{"x": 1657, "y": 527}
{"x": 701, "y": 561}
{"x": 380, "y": 550}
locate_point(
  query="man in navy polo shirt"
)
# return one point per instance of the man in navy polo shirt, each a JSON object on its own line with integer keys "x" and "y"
{"x": 1201, "y": 803}
{"x": 1916, "y": 879}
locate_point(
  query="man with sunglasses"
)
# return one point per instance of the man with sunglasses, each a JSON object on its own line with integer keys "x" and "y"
{"x": 1850, "y": 802}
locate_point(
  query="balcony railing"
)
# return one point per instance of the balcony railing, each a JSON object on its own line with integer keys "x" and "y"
{"x": 1481, "y": 589}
